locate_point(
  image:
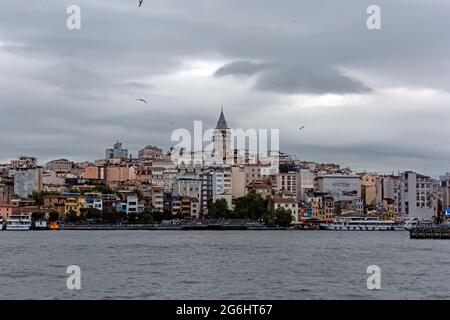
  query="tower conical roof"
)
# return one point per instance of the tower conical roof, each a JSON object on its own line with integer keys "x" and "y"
{"x": 222, "y": 123}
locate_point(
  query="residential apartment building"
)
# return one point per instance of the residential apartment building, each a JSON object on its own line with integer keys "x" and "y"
{"x": 420, "y": 194}
{"x": 341, "y": 187}
{"x": 288, "y": 203}
{"x": 287, "y": 182}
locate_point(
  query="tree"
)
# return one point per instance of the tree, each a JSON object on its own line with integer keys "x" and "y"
{"x": 146, "y": 217}
{"x": 72, "y": 216}
{"x": 252, "y": 206}
{"x": 37, "y": 215}
{"x": 107, "y": 216}
{"x": 122, "y": 216}
{"x": 159, "y": 216}
{"x": 132, "y": 217}
{"x": 219, "y": 209}
{"x": 91, "y": 214}
{"x": 53, "y": 216}
{"x": 269, "y": 219}
{"x": 282, "y": 217}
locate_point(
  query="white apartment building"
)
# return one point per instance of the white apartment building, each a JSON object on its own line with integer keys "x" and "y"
{"x": 27, "y": 180}
{"x": 287, "y": 182}
{"x": 94, "y": 200}
{"x": 221, "y": 185}
{"x": 305, "y": 183}
{"x": 189, "y": 185}
{"x": 288, "y": 203}
{"x": 341, "y": 187}
{"x": 420, "y": 195}
{"x": 133, "y": 205}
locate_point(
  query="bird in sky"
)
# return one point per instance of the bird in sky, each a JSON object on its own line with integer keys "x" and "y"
{"x": 142, "y": 100}
{"x": 140, "y": 3}
{"x": 302, "y": 127}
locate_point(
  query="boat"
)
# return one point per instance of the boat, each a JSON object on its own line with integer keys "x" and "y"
{"x": 1, "y": 224}
{"x": 363, "y": 224}
{"x": 40, "y": 225}
{"x": 54, "y": 225}
{"x": 411, "y": 223}
{"x": 18, "y": 222}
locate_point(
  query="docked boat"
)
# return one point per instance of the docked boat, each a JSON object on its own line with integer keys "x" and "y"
{"x": 40, "y": 225}
{"x": 18, "y": 222}
{"x": 54, "y": 225}
{"x": 363, "y": 224}
{"x": 2, "y": 225}
{"x": 411, "y": 223}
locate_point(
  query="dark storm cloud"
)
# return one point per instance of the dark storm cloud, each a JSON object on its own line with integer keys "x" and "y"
{"x": 65, "y": 87}
{"x": 246, "y": 68}
{"x": 294, "y": 78}
{"x": 304, "y": 79}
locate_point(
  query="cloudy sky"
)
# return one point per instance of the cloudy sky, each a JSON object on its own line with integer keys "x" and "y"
{"x": 370, "y": 99}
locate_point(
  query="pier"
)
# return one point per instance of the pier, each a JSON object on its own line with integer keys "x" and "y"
{"x": 430, "y": 232}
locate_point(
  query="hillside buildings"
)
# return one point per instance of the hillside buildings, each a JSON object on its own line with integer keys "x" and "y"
{"x": 27, "y": 176}
{"x": 154, "y": 182}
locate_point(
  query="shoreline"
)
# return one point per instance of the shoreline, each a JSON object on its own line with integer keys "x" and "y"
{"x": 187, "y": 227}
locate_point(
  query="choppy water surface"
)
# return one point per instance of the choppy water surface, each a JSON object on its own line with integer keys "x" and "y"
{"x": 222, "y": 265}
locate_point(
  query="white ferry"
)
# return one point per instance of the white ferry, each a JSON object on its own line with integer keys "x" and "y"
{"x": 363, "y": 224}
{"x": 18, "y": 222}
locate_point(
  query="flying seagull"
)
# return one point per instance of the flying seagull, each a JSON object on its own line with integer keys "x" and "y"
{"x": 302, "y": 127}
{"x": 142, "y": 100}
{"x": 140, "y": 3}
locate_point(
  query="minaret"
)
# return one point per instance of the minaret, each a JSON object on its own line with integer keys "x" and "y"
{"x": 222, "y": 141}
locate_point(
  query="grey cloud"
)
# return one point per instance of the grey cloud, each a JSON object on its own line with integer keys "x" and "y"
{"x": 294, "y": 78}
{"x": 132, "y": 85}
{"x": 246, "y": 68}
{"x": 84, "y": 83}
{"x": 312, "y": 80}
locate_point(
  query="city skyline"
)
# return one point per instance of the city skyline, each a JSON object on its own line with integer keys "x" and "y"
{"x": 363, "y": 103}
{"x": 134, "y": 154}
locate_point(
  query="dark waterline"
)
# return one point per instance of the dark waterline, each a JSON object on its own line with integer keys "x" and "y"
{"x": 222, "y": 265}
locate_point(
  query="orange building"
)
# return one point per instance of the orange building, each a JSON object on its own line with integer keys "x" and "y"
{"x": 7, "y": 209}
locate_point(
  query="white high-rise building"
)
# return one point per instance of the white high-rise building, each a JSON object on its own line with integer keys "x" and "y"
{"x": 116, "y": 152}
{"x": 221, "y": 185}
{"x": 420, "y": 195}
{"x": 341, "y": 187}
{"x": 27, "y": 176}
{"x": 305, "y": 183}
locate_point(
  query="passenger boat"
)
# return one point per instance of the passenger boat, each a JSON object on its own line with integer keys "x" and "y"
{"x": 18, "y": 222}
{"x": 40, "y": 225}
{"x": 363, "y": 224}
